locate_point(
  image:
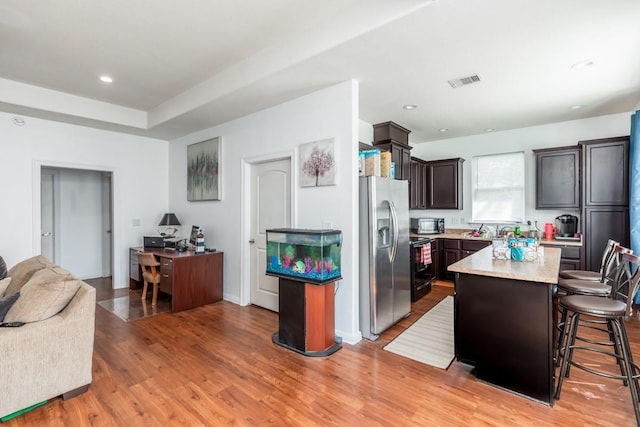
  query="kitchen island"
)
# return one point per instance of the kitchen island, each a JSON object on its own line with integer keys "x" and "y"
{"x": 503, "y": 320}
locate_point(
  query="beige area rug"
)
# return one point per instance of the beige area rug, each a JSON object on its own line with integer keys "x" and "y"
{"x": 430, "y": 339}
{"x": 131, "y": 307}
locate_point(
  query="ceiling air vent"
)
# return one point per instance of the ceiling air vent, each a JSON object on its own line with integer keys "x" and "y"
{"x": 463, "y": 81}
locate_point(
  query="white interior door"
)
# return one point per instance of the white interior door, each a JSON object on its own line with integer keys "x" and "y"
{"x": 47, "y": 231}
{"x": 270, "y": 208}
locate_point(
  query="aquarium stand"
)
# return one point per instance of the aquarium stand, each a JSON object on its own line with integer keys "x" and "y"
{"x": 307, "y": 318}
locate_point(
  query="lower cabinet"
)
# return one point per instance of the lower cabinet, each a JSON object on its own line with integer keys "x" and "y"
{"x": 570, "y": 256}
{"x": 453, "y": 250}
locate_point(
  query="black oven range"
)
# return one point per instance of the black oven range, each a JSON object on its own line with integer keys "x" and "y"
{"x": 421, "y": 267}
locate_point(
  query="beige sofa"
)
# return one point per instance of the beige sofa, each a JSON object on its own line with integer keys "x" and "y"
{"x": 51, "y": 355}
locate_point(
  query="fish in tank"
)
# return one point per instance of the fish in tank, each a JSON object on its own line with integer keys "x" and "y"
{"x": 303, "y": 254}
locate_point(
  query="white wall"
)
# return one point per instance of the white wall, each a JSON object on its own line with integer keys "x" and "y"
{"x": 140, "y": 182}
{"x": 524, "y": 139}
{"x": 329, "y": 113}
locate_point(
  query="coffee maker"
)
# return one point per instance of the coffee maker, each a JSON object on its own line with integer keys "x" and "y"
{"x": 566, "y": 225}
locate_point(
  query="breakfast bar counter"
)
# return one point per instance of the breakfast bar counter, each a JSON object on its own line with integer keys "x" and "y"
{"x": 503, "y": 320}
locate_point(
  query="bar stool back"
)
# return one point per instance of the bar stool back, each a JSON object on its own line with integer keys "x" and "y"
{"x": 597, "y": 276}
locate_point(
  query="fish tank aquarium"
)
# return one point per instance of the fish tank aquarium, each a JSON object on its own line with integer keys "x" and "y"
{"x": 311, "y": 256}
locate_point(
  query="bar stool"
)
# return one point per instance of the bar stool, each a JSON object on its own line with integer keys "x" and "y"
{"x": 611, "y": 311}
{"x": 588, "y": 287}
{"x": 593, "y": 275}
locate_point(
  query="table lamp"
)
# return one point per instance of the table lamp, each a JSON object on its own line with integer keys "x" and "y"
{"x": 169, "y": 220}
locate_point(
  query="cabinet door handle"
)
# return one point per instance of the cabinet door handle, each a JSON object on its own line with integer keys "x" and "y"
{"x": 252, "y": 241}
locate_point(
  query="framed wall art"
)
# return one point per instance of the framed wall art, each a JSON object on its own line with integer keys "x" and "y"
{"x": 317, "y": 163}
{"x": 203, "y": 170}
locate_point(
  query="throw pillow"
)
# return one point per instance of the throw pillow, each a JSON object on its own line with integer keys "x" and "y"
{"x": 6, "y": 303}
{"x": 22, "y": 272}
{"x": 45, "y": 295}
{"x": 4, "y": 284}
{"x": 3, "y": 268}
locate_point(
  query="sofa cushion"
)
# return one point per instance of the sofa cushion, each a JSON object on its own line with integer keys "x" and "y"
{"x": 4, "y": 284}
{"x": 22, "y": 272}
{"x": 47, "y": 292}
{"x": 3, "y": 268}
{"x": 6, "y": 303}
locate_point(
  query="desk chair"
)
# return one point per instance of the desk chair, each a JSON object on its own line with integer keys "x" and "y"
{"x": 612, "y": 313}
{"x": 150, "y": 274}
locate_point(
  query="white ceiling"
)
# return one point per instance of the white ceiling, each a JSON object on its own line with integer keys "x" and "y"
{"x": 179, "y": 67}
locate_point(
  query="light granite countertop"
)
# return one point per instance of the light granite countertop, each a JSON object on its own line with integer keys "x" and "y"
{"x": 481, "y": 263}
{"x": 465, "y": 235}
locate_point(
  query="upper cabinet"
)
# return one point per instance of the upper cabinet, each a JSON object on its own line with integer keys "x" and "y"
{"x": 417, "y": 184}
{"x": 558, "y": 178}
{"x": 436, "y": 184}
{"x": 444, "y": 184}
{"x": 606, "y": 171}
{"x": 392, "y": 137}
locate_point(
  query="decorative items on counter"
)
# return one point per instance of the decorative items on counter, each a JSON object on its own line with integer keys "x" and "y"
{"x": 517, "y": 249}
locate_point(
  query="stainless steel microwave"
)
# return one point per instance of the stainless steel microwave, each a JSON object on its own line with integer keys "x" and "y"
{"x": 427, "y": 225}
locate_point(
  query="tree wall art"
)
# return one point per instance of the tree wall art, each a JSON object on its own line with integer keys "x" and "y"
{"x": 317, "y": 163}
{"x": 203, "y": 170}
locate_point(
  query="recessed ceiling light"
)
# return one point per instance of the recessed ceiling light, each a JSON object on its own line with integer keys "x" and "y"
{"x": 489, "y": 129}
{"x": 410, "y": 107}
{"x": 443, "y": 130}
{"x": 575, "y": 107}
{"x": 582, "y": 64}
{"x": 106, "y": 79}
{"x": 18, "y": 121}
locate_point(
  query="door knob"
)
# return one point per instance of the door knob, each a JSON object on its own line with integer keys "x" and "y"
{"x": 252, "y": 241}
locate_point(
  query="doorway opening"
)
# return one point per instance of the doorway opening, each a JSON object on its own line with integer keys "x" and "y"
{"x": 76, "y": 212}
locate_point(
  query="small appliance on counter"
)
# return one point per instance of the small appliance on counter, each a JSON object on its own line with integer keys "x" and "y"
{"x": 427, "y": 225}
{"x": 566, "y": 226}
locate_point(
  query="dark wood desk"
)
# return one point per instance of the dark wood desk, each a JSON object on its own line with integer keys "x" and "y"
{"x": 191, "y": 279}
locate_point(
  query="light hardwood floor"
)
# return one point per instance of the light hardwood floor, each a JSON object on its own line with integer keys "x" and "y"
{"x": 216, "y": 365}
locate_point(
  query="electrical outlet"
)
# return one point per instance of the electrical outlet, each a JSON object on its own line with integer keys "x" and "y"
{"x": 327, "y": 225}
{"x": 454, "y": 221}
{"x": 136, "y": 222}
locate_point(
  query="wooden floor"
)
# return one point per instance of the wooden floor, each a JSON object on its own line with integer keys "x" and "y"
{"x": 216, "y": 365}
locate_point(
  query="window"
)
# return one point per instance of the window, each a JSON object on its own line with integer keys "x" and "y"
{"x": 498, "y": 188}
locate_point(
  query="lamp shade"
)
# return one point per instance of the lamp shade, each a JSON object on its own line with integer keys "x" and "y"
{"x": 169, "y": 219}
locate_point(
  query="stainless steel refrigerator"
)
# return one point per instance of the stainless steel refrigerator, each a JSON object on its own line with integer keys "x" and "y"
{"x": 385, "y": 294}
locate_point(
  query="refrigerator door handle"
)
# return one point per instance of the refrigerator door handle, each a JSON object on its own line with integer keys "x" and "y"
{"x": 394, "y": 230}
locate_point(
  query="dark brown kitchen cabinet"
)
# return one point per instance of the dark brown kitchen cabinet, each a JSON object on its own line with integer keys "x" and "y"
{"x": 450, "y": 253}
{"x": 444, "y": 184}
{"x": 606, "y": 171}
{"x": 400, "y": 155}
{"x": 436, "y": 258}
{"x": 392, "y": 137}
{"x": 453, "y": 250}
{"x": 601, "y": 224}
{"x": 558, "y": 178}
{"x": 417, "y": 184}
{"x": 605, "y": 195}
{"x": 570, "y": 256}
